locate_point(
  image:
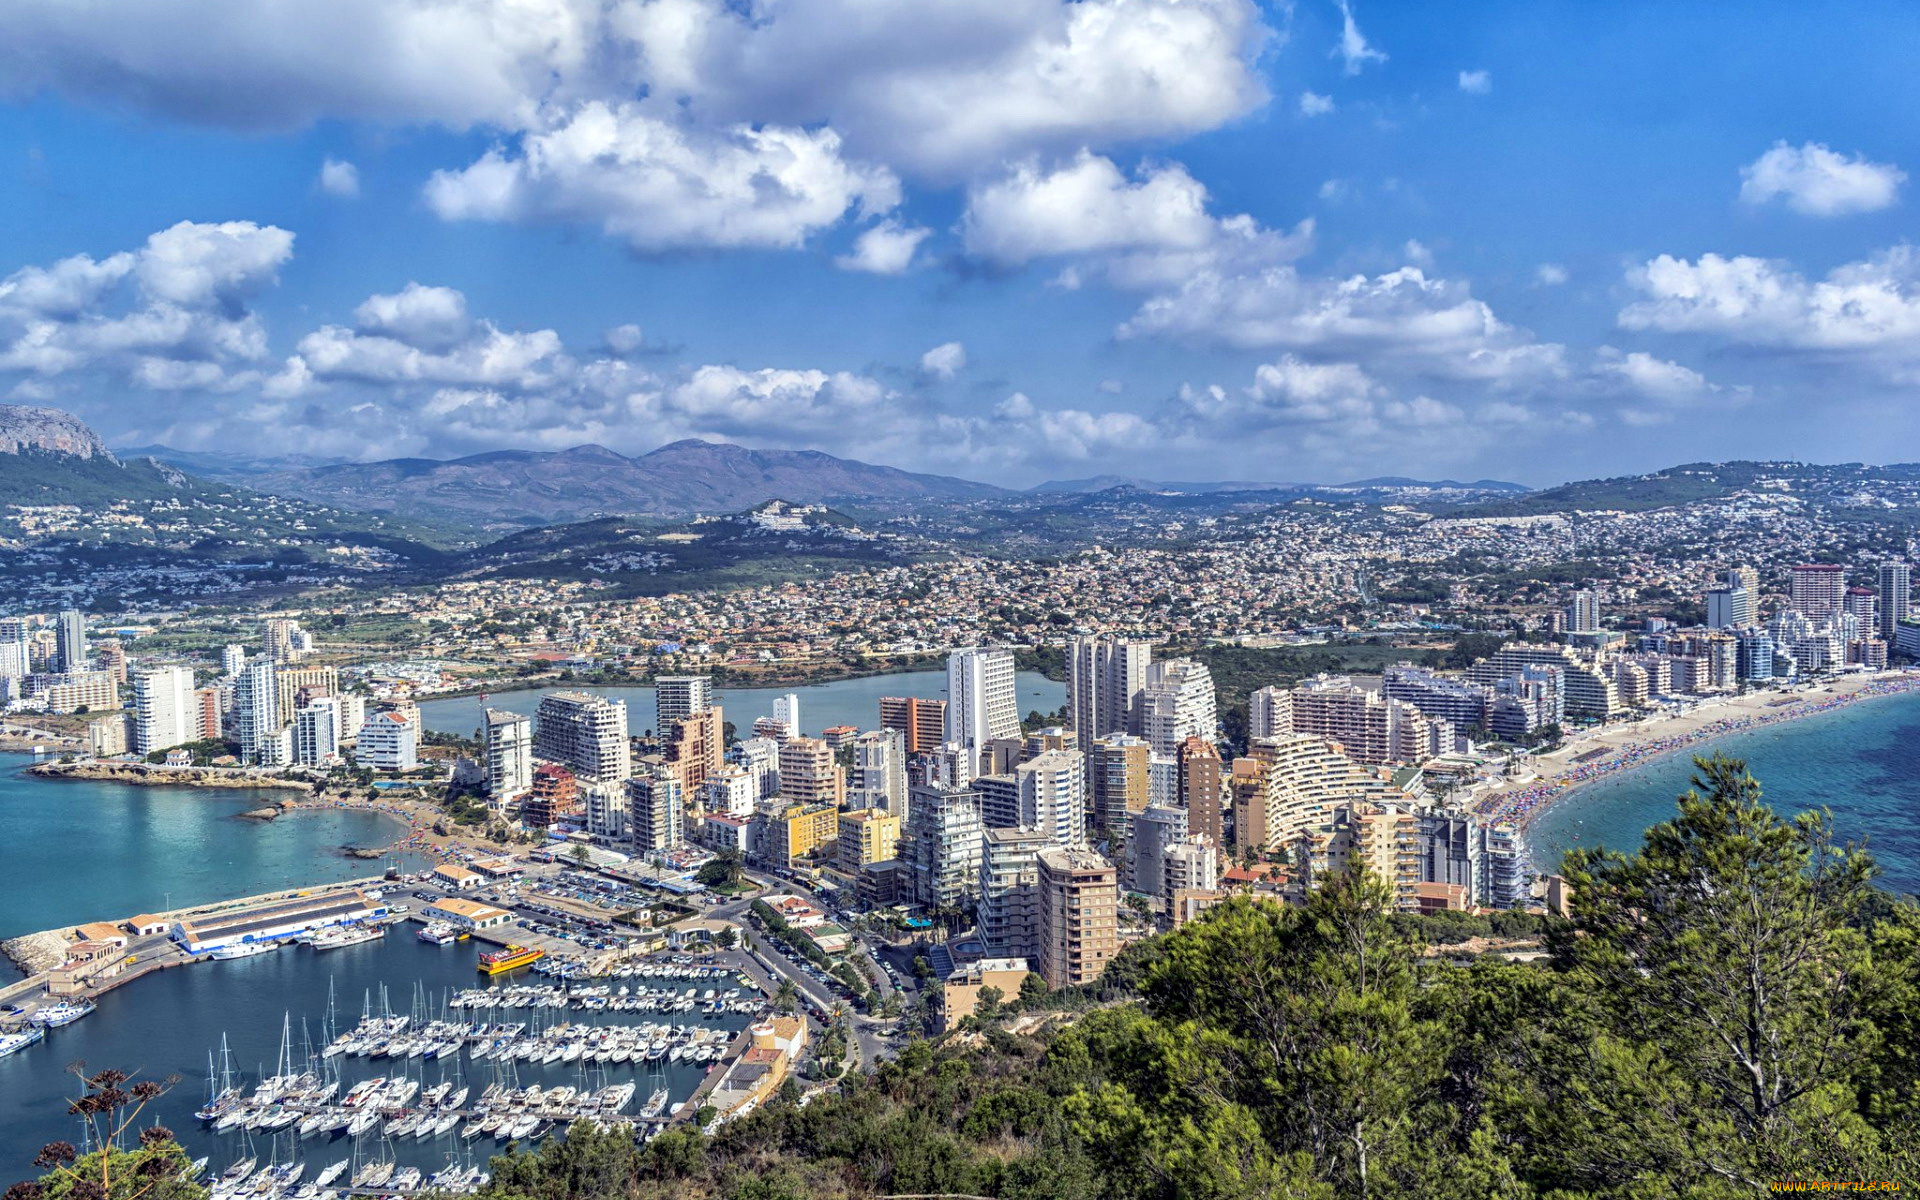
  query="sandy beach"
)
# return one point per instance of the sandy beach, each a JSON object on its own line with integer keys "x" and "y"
{"x": 1596, "y": 753}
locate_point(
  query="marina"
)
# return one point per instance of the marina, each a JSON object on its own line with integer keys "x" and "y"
{"x": 411, "y": 1090}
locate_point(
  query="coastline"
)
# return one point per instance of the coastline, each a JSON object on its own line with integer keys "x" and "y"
{"x": 154, "y": 775}
{"x": 1608, "y": 751}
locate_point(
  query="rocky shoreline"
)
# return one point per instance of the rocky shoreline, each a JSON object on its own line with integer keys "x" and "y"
{"x": 151, "y": 775}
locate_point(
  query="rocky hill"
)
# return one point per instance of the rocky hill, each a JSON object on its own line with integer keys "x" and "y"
{"x": 25, "y": 429}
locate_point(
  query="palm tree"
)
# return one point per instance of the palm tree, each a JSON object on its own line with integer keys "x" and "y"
{"x": 786, "y": 997}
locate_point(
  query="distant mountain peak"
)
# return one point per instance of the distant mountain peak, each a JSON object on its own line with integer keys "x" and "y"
{"x": 26, "y": 429}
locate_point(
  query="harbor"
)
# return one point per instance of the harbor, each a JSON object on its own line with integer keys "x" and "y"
{"x": 532, "y": 1052}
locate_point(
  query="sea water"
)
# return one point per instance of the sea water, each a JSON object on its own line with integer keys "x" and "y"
{"x": 1861, "y": 761}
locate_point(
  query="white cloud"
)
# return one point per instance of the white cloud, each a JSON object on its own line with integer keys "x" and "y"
{"x": 1816, "y": 181}
{"x": 1142, "y": 233}
{"x": 884, "y": 249}
{"x": 237, "y": 64}
{"x": 1313, "y": 104}
{"x": 1417, "y": 253}
{"x": 773, "y": 404}
{"x": 1353, "y": 48}
{"x": 430, "y": 317}
{"x": 1550, "y": 275}
{"x": 944, "y": 361}
{"x": 198, "y": 265}
{"x": 625, "y": 339}
{"x": 942, "y": 89}
{"x": 179, "y": 299}
{"x": 339, "y": 179}
{"x": 1476, "y": 83}
{"x": 1867, "y": 310}
{"x": 660, "y": 186}
{"x": 947, "y": 90}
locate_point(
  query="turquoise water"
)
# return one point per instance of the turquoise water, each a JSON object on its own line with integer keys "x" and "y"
{"x": 1861, "y": 761}
{"x": 853, "y": 702}
{"x": 81, "y": 850}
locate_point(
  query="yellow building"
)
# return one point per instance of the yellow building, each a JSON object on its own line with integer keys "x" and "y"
{"x": 867, "y": 835}
{"x": 799, "y": 831}
{"x": 960, "y": 994}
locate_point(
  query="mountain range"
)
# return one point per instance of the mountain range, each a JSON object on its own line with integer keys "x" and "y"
{"x": 515, "y": 489}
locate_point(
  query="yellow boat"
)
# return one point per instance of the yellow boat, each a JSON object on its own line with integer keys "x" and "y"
{"x": 512, "y": 958}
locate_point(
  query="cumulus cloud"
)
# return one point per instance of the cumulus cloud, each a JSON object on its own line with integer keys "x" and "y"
{"x": 340, "y": 179}
{"x": 179, "y": 299}
{"x": 944, "y": 361}
{"x": 884, "y": 249}
{"x": 1476, "y": 83}
{"x": 662, "y": 186}
{"x": 429, "y": 317}
{"x": 1139, "y": 233}
{"x": 1353, "y": 48}
{"x": 1433, "y": 323}
{"x": 1867, "y": 311}
{"x": 1313, "y": 104}
{"x": 1550, "y": 275}
{"x": 1818, "y": 182}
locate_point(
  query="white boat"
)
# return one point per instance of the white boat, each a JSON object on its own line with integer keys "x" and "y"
{"x": 244, "y": 950}
{"x": 55, "y": 1015}
{"x": 340, "y": 936}
{"x": 14, "y": 1043}
{"x": 438, "y": 933}
{"x": 326, "y": 1177}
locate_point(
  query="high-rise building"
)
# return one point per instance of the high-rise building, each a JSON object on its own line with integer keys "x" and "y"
{"x": 1079, "y": 915}
{"x": 1862, "y": 604}
{"x": 585, "y": 733}
{"x": 1589, "y": 694}
{"x": 1053, "y": 796}
{"x": 1896, "y": 588}
{"x": 16, "y": 656}
{"x": 1177, "y": 704}
{"x": 1372, "y": 727}
{"x": 760, "y": 758}
{"x": 1118, "y": 781}
{"x": 695, "y": 745}
{"x": 1729, "y": 607}
{"x": 1104, "y": 679}
{"x": 730, "y": 791}
{"x": 922, "y": 722}
{"x": 942, "y": 845}
{"x": 165, "y": 714}
{"x": 867, "y": 836}
{"x": 1817, "y": 589}
{"x": 1009, "y": 908}
{"x": 982, "y": 704}
{"x": 256, "y": 709}
{"x": 1583, "y": 614}
{"x": 681, "y": 696}
{"x": 301, "y": 684}
{"x": 808, "y": 773}
{"x": 70, "y": 646}
{"x": 1269, "y": 712}
{"x": 1152, "y": 832}
{"x": 1291, "y": 783}
{"x": 879, "y": 772}
{"x": 656, "y": 813}
{"x": 506, "y": 754}
{"x": 233, "y": 660}
{"x": 388, "y": 741}
{"x": 555, "y": 794}
{"x": 316, "y": 732}
{"x": 283, "y": 639}
{"x": 786, "y": 711}
{"x": 1201, "y": 788}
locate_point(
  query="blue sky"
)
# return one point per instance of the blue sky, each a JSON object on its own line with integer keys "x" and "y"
{"x": 1007, "y": 239}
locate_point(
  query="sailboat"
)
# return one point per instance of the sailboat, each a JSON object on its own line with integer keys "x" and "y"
{"x": 222, "y": 1095}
